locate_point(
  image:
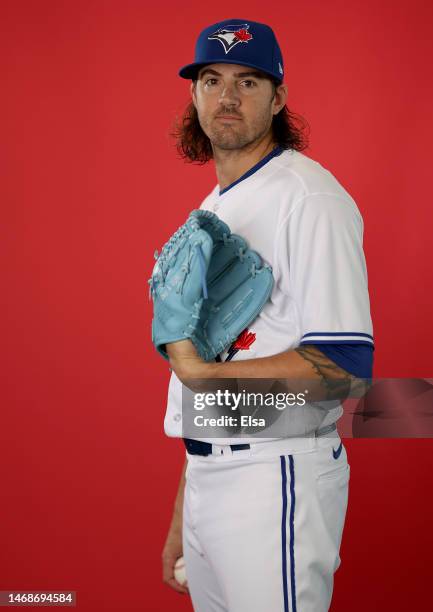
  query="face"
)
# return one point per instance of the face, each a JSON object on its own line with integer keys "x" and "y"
{"x": 235, "y": 104}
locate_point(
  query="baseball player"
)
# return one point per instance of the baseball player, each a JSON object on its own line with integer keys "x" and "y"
{"x": 260, "y": 522}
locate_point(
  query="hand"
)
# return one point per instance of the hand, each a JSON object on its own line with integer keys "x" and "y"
{"x": 170, "y": 554}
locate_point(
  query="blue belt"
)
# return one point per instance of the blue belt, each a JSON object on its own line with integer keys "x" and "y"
{"x": 196, "y": 447}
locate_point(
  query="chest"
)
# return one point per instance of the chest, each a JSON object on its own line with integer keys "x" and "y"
{"x": 253, "y": 218}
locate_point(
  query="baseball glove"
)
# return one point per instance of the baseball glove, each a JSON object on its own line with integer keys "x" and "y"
{"x": 207, "y": 285}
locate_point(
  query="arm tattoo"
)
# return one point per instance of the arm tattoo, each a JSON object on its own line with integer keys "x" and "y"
{"x": 336, "y": 380}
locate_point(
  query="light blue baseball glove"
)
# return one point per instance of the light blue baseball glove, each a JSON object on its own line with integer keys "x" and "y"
{"x": 207, "y": 285}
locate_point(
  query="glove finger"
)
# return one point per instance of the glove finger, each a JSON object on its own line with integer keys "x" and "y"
{"x": 195, "y": 284}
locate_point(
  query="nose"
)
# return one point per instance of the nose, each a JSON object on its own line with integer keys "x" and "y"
{"x": 229, "y": 96}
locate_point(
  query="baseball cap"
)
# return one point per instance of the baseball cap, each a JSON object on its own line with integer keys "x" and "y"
{"x": 237, "y": 41}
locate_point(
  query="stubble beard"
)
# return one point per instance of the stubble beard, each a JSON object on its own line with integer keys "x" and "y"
{"x": 236, "y": 135}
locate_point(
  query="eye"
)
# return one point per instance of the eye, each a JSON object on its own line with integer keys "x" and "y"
{"x": 249, "y": 84}
{"x": 210, "y": 81}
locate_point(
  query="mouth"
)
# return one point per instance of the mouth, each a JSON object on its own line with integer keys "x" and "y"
{"x": 228, "y": 118}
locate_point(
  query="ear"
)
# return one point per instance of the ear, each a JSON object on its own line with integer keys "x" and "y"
{"x": 280, "y": 98}
{"x": 192, "y": 91}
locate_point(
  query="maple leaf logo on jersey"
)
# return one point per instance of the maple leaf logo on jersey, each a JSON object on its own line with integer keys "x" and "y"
{"x": 242, "y": 343}
{"x": 231, "y": 35}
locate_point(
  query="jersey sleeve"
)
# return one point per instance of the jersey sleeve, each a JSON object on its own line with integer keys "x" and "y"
{"x": 357, "y": 359}
{"x": 321, "y": 266}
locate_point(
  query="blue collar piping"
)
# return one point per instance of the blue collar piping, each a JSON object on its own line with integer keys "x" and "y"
{"x": 277, "y": 151}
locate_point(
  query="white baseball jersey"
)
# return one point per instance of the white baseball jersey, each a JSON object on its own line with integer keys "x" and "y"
{"x": 302, "y": 222}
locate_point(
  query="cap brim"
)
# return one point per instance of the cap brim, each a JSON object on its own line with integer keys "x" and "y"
{"x": 190, "y": 71}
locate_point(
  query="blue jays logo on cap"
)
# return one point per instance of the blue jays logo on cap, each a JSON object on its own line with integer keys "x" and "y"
{"x": 237, "y": 41}
{"x": 231, "y": 35}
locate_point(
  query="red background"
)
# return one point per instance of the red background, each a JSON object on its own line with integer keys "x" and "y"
{"x": 92, "y": 185}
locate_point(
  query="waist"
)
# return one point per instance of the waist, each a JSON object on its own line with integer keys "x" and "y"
{"x": 298, "y": 444}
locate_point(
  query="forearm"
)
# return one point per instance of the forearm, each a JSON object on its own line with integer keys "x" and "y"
{"x": 289, "y": 364}
{"x": 305, "y": 364}
{"x": 186, "y": 363}
{"x": 178, "y": 504}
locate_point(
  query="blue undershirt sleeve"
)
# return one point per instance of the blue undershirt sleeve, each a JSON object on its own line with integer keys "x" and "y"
{"x": 357, "y": 359}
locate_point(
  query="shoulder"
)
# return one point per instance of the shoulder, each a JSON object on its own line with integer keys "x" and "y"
{"x": 307, "y": 183}
{"x": 208, "y": 201}
{"x": 308, "y": 174}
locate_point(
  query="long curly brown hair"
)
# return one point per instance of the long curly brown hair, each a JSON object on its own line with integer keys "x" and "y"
{"x": 194, "y": 146}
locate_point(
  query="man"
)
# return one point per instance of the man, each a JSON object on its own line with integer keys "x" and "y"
{"x": 260, "y": 522}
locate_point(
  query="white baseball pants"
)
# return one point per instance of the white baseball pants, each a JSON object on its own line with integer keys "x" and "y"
{"x": 262, "y": 527}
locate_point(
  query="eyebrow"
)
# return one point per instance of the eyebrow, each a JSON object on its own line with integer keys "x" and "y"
{"x": 238, "y": 75}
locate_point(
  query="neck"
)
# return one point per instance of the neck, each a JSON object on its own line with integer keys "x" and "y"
{"x": 230, "y": 165}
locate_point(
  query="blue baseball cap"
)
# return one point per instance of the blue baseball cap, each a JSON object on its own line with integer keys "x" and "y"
{"x": 237, "y": 41}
